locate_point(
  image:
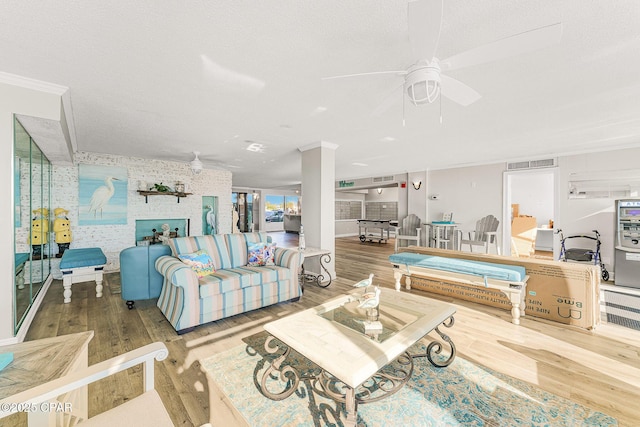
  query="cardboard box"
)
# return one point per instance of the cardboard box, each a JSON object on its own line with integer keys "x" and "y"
{"x": 563, "y": 292}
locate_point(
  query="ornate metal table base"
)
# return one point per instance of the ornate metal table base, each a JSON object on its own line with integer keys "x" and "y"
{"x": 319, "y": 278}
{"x": 387, "y": 381}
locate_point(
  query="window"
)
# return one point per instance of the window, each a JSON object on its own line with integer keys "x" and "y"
{"x": 274, "y": 208}
{"x": 292, "y": 205}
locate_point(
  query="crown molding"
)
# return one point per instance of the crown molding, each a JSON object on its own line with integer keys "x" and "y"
{"x": 28, "y": 83}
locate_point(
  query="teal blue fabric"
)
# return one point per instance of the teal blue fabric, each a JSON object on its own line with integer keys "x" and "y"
{"x": 85, "y": 257}
{"x": 5, "y": 359}
{"x": 513, "y": 273}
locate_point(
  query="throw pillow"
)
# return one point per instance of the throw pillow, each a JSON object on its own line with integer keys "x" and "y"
{"x": 261, "y": 254}
{"x": 200, "y": 262}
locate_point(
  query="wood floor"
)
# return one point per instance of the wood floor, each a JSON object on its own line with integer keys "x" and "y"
{"x": 600, "y": 369}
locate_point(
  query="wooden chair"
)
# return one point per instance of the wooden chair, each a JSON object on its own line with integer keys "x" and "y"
{"x": 485, "y": 234}
{"x": 409, "y": 231}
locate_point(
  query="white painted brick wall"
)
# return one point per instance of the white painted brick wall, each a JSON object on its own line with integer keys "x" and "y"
{"x": 113, "y": 238}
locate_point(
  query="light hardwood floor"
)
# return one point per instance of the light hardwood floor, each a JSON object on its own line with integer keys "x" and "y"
{"x": 600, "y": 369}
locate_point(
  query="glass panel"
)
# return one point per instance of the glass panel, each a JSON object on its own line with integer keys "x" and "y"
{"x": 22, "y": 174}
{"x": 274, "y": 208}
{"x": 46, "y": 214}
{"x": 392, "y": 319}
{"x": 39, "y": 224}
{"x": 32, "y": 197}
{"x": 292, "y": 204}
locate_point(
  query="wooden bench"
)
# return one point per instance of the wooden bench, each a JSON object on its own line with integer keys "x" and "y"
{"x": 510, "y": 281}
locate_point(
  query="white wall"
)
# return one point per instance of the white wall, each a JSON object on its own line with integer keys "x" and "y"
{"x": 470, "y": 193}
{"x": 113, "y": 238}
{"x": 583, "y": 215}
{"x": 473, "y": 192}
{"x": 534, "y": 193}
{"x": 15, "y": 100}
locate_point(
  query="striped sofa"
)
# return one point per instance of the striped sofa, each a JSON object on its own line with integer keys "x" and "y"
{"x": 188, "y": 301}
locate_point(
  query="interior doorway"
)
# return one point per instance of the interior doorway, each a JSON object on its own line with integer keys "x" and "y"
{"x": 530, "y": 195}
{"x": 243, "y": 206}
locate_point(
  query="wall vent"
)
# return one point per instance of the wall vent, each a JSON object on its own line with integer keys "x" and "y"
{"x": 382, "y": 178}
{"x": 532, "y": 164}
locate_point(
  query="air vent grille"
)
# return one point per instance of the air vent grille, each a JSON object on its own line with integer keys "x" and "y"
{"x": 532, "y": 164}
{"x": 383, "y": 178}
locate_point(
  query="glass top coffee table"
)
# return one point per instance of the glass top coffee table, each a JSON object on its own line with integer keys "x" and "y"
{"x": 351, "y": 352}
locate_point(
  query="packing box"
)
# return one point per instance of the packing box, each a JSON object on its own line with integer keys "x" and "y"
{"x": 563, "y": 292}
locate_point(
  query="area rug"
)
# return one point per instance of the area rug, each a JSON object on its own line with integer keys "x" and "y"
{"x": 622, "y": 309}
{"x": 462, "y": 394}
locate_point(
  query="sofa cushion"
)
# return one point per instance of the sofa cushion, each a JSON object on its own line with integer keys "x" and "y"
{"x": 237, "y": 246}
{"x": 260, "y": 254}
{"x": 243, "y": 277}
{"x": 200, "y": 262}
{"x": 214, "y": 245}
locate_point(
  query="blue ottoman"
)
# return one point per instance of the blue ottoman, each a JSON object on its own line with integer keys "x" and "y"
{"x": 82, "y": 265}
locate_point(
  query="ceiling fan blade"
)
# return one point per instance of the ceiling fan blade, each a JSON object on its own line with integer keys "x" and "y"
{"x": 504, "y": 48}
{"x": 392, "y": 98}
{"x": 457, "y": 91}
{"x": 400, "y": 73}
{"x": 424, "y": 19}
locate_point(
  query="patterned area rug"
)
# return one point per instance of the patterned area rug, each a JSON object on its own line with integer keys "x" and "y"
{"x": 462, "y": 394}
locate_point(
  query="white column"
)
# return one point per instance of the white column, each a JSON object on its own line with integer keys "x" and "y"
{"x": 318, "y": 197}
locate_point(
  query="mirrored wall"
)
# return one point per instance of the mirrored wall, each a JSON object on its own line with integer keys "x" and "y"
{"x": 32, "y": 195}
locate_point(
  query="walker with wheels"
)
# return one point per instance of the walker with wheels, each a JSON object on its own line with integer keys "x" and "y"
{"x": 581, "y": 254}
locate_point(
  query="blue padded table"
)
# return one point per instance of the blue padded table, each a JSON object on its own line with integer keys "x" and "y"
{"x": 510, "y": 280}
{"x": 82, "y": 265}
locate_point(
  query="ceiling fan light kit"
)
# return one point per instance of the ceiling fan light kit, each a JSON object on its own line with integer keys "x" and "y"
{"x": 422, "y": 83}
{"x": 196, "y": 164}
{"x": 425, "y": 82}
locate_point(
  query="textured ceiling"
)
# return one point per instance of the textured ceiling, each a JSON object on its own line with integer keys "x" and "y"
{"x": 160, "y": 79}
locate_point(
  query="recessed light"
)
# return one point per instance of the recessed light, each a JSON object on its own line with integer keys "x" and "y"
{"x": 318, "y": 110}
{"x": 256, "y": 147}
{"x": 359, "y": 164}
{"x": 388, "y": 139}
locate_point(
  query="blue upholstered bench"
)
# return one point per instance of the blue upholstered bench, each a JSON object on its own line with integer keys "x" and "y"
{"x": 82, "y": 265}
{"x": 511, "y": 280}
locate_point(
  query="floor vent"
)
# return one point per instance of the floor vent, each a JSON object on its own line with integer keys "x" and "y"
{"x": 383, "y": 178}
{"x": 532, "y": 164}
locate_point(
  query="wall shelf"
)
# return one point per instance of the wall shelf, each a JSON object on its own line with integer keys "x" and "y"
{"x": 159, "y": 193}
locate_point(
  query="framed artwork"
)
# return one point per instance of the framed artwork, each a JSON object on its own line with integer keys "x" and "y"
{"x": 102, "y": 195}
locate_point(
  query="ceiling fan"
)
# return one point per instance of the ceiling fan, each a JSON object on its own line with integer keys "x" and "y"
{"x": 425, "y": 81}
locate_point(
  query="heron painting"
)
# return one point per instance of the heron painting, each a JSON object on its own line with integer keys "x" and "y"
{"x": 102, "y": 195}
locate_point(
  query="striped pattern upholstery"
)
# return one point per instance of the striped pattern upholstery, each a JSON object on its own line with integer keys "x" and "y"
{"x": 232, "y": 279}
{"x": 215, "y": 246}
{"x": 237, "y": 245}
{"x": 228, "y": 304}
{"x": 187, "y": 301}
{"x": 179, "y": 299}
